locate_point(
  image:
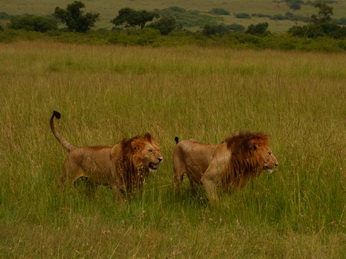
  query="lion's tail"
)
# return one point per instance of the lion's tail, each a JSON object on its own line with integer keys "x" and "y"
{"x": 176, "y": 140}
{"x": 63, "y": 141}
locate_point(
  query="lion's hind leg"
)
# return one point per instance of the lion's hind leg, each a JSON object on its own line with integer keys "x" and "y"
{"x": 179, "y": 171}
{"x": 70, "y": 173}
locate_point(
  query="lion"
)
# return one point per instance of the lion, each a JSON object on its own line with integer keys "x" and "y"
{"x": 124, "y": 166}
{"x": 230, "y": 164}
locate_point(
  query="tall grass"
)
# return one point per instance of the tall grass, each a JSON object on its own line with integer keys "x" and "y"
{"x": 106, "y": 93}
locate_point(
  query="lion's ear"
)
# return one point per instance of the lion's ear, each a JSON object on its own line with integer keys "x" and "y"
{"x": 147, "y": 136}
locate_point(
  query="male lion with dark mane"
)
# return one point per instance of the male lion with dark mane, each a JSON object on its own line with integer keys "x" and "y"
{"x": 124, "y": 166}
{"x": 230, "y": 164}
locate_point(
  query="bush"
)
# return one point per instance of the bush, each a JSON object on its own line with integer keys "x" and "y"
{"x": 259, "y": 29}
{"x": 220, "y": 29}
{"x": 342, "y": 21}
{"x": 219, "y": 11}
{"x": 133, "y": 18}
{"x": 165, "y": 25}
{"x": 33, "y": 23}
{"x": 243, "y": 16}
{"x": 5, "y": 16}
{"x": 236, "y": 27}
{"x": 187, "y": 18}
{"x": 147, "y": 36}
{"x": 279, "y": 17}
{"x": 262, "y": 15}
{"x": 209, "y": 29}
{"x": 318, "y": 30}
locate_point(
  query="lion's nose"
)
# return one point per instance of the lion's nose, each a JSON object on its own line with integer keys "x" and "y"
{"x": 160, "y": 158}
{"x": 276, "y": 164}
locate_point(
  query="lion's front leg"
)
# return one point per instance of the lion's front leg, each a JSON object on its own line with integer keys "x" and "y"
{"x": 116, "y": 182}
{"x": 212, "y": 176}
{"x": 118, "y": 194}
{"x": 209, "y": 183}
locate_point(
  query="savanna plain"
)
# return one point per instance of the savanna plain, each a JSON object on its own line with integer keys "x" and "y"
{"x": 107, "y": 93}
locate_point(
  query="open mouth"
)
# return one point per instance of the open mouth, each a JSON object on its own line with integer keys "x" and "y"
{"x": 154, "y": 166}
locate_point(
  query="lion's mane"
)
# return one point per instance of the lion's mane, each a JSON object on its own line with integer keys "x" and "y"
{"x": 134, "y": 173}
{"x": 247, "y": 159}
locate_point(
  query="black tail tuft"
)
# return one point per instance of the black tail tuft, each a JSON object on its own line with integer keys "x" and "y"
{"x": 57, "y": 114}
{"x": 176, "y": 140}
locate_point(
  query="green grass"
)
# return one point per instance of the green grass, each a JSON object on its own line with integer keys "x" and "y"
{"x": 106, "y": 93}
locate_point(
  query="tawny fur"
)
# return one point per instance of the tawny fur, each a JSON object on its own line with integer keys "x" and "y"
{"x": 124, "y": 166}
{"x": 229, "y": 165}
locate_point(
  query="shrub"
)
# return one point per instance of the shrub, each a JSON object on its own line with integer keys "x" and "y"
{"x": 342, "y": 21}
{"x": 147, "y": 36}
{"x": 5, "y": 16}
{"x": 187, "y": 18}
{"x": 236, "y": 27}
{"x": 262, "y": 15}
{"x": 318, "y": 30}
{"x": 259, "y": 29}
{"x": 220, "y": 29}
{"x": 279, "y": 17}
{"x": 243, "y": 16}
{"x": 209, "y": 29}
{"x": 219, "y": 11}
{"x": 33, "y": 23}
{"x": 165, "y": 25}
{"x": 133, "y": 18}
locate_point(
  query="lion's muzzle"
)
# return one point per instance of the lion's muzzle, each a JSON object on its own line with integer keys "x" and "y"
{"x": 155, "y": 166}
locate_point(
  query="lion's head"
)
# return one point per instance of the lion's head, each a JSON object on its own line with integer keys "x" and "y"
{"x": 251, "y": 153}
{"x": 143, "y": 152}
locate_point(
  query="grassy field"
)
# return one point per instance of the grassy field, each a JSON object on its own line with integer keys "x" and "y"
{"x": 109, "y": 9}
{"x": 106, "y": 93}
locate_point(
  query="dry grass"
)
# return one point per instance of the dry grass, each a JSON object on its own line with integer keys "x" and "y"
{"x": 106, "y": 93}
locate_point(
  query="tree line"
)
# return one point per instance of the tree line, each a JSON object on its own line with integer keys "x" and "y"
{"x": 76, "y": 20}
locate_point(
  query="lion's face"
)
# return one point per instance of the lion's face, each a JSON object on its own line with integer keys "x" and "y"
{"x": 147, "y": 154}
{"x": 270, "y": 161}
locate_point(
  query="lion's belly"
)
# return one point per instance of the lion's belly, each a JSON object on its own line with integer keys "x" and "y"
{"x": 99, "y": 176}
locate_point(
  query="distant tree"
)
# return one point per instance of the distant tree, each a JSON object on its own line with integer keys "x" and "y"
{"x": 324, "y": 14}
{"x": 133, "y": 18}
{"x": 74, "y": 18}
{"x": 33, "y": 23}
{"x": 165, "y": 25}
{"x": 259, "y": 29}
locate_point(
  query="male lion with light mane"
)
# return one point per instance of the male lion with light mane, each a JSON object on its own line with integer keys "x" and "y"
{"x": 124, "y": 166}
{"x": 229, "y": 165}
